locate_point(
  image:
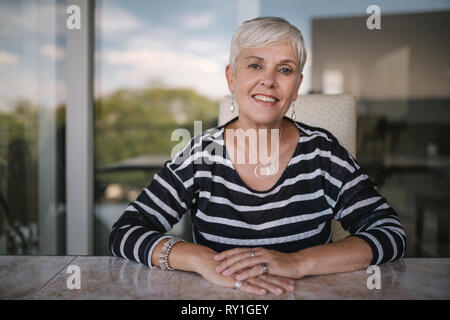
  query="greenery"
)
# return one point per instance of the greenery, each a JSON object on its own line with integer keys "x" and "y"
{"x": 129, "y": 123}
{"x": 18, "y": 171}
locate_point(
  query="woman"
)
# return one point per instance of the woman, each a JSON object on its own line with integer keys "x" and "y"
{"x": 257, "y": 226}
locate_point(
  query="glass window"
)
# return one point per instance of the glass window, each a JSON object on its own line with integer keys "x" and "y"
{"x": 32, "y": 124}
{"x": 400, "y": 76}
{"x": 159, "y": 66}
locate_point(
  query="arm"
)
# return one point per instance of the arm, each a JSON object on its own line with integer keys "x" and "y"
{"x": 194, "y": 258}
{"x": 377, "y": 235}
{"x": 350, "y": 254}
{"x": 145, "y": 221}
{"x": 139, "y": 234}
{"x": 200, "y": 259}
{"x": 347, "y": 255}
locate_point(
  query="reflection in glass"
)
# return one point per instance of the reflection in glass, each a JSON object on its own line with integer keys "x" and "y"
{"x": 404, "y": 122}
{"x": 159, "y": 66}
{"x": 32, "y": 122}
{"x": 399, "y": 75}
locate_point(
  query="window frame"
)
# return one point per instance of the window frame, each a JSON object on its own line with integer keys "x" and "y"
{"x": 79, "y": 133}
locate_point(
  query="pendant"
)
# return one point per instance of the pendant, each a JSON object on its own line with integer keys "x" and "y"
{"x": 269, "y": 170}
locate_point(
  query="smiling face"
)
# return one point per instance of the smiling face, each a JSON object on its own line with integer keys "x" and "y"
{"x": 265, "y": 83}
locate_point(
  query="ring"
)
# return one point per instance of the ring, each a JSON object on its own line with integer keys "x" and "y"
{"x": 265, "y": 268}
{"x": 238, "y": 285}
{"x": 253, "y": 253}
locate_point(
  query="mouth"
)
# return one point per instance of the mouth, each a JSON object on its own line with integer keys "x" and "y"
{"x": 265, "y": 99}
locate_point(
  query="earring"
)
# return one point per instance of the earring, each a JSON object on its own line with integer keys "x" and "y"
{"x": 232, "y": 104}
{"x": 293, "y": 111}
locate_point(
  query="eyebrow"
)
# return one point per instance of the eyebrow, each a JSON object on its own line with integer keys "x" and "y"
{"x": 281, "y": 62}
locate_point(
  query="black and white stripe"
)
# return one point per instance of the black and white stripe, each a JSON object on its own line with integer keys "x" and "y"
{"x": 321, "y": 182}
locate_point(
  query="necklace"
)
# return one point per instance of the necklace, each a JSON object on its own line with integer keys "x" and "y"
{"x": 265, "y": 169}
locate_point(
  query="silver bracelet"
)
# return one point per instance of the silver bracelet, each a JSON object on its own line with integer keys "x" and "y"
{"x": 164, "y": 256}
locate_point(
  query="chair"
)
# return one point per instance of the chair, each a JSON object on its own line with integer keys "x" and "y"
{"x": 335, "y": 113}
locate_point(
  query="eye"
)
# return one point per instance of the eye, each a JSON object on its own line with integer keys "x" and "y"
{"x": 285, "y": 70}
{"x": 254, "y": 66}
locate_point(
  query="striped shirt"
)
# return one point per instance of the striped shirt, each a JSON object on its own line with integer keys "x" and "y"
{"x": 321, "y": 182}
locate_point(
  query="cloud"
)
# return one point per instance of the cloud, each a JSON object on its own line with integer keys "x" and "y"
{"x": 164, "y": 53}
{"x": 167, "y": 55}
{"x": 207, "y": 46}
{"x": 38, "y": 89}
{"x": 152, "y": 37}
{"x": 162, "y": 61}
{"x": 31, "y": 19}
{"x": 114, "y": 19}
{"x": 197, "y": 21}
{"x": 178, "y": 69}
{"x": 52, "y": 52}
{"x": 8, "y": 58}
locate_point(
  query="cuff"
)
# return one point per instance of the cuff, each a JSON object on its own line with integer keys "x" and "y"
{"x": 377, "y": 250}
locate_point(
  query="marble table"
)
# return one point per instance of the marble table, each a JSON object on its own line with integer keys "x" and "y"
{"x": 104, "y": 277}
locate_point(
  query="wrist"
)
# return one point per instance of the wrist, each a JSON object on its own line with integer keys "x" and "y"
{"x": 200, "y": 257}
{"x": 165, "y": 252}
{"x": 304, "y": 264}
{"x": 183, "y": 255}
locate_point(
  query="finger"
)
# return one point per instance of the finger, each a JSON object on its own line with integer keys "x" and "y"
{"x": 256, "y": 271}
{"x": 228, "y": 253}
{"x": 252, "y": 288}
{"x": 286, "y": 283}
{"x": 233, "y": 259}
{"x": 269, "y": 286}
{"x": 243, "y": 264}
{"x": 250, "y": 273}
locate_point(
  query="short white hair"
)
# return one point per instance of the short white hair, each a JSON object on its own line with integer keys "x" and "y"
{"x": 265, "y": 31}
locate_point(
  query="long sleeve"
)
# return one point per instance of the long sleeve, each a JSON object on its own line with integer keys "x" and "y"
{"x": 146, "y": 220}
{"x": 364, "y": 213}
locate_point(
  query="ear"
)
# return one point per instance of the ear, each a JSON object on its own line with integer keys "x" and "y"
{"x": 230, "y": 78}
{"x": 297, "y": 87}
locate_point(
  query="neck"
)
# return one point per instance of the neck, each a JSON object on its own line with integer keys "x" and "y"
{"x": 257, "y": 141}
{"x": 245, "y": 124}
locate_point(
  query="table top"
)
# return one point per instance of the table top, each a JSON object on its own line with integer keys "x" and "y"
{"x": 105, "y": 277}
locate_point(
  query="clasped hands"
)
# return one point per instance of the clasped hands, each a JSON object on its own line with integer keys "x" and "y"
{"x": 247, "y": 265}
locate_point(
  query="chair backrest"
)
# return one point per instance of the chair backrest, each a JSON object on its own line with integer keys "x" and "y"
{"x": 335, "y": 113}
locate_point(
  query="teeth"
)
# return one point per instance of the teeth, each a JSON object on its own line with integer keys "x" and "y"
{"x": 264, "y": 98}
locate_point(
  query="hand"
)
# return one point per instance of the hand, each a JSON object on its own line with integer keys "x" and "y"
{"x": 240, "y": 260}
{"x": 273, "y": 284}
{"x": 258, "y": 285}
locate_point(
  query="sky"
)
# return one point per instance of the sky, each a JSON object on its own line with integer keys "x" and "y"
{"x": 180, "y": 43}
{"x": 186, "y": 42}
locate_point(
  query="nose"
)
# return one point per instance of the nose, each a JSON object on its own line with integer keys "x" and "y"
{"x": 268, "y": 79}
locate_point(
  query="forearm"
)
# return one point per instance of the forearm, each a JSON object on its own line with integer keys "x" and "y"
{"x": 184, "y": 255}
{"x": 349, "y": 254}
{"x": 200, "y": 259}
